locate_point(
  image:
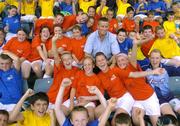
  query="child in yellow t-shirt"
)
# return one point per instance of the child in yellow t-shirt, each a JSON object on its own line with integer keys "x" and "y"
{"x": 85, "y": 4}
{"x": 37, "y": 115}
{"x": 122, "y": 7}
{"x": 2, "y": 6}
{"x": 102, "y": 9}
{"x": 29, "y": 10}
{"x": 170, "y": 26}
{"x": 168, "y": 45}
{"x": 47, "y": 8}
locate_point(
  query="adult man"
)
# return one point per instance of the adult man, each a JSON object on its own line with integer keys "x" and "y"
{"x": 102, "y": 41}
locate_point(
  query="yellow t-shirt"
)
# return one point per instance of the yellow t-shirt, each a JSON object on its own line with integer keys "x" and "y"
{"x": 2, "y": 6}
{"x": 9, "y": 1}
{"x": 122, "y": 7}
{"x": 169, "y": 27}
{"x": 104, "y": 10}
{"x": 140, "y": 55}
{"x": 29, "y": 8}
{"x": 168, "y": 47}
{"x": 84, "y": 5}
{"x": 47, "y": 8}
{"x": 30, "y": 119}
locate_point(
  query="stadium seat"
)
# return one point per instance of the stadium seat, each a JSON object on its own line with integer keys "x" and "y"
{"x": 174, "y": 84}
{"x": 42, "y": 85}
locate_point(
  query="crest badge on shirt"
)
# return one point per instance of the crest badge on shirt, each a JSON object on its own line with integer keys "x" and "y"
{"x": 113, "y": 77}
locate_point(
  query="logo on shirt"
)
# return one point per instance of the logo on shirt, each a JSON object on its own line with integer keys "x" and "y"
{"x": 113, "y": 77}
{"x": 16, "y": 21}
{"x": 10, "y": 77}
{"x": 64, "y": 45}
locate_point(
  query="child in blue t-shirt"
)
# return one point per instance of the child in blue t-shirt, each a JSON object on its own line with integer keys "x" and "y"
{"x": 11, "y": 82}
{"x": 160, "y": 83}
{"x": 12, "y": 23}
{"x": 125, "y": 43}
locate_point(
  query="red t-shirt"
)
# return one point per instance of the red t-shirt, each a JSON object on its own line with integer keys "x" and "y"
{"x": 81, "y": 81}
{"x": 43, "y": 22}
{"x": 145, "y": 47}
{"x": 76, "y": 46}
{"x": 59, "y": 73}
{"x": 112, "y": 83}
{"x": 34, "y": 52}
{"x": 128, "y": 24}
{"x": 68, "y": 22}
{"x": 137, "y": 87}
{"x": 21, "y": 49}
{"x": 113, "y": 25}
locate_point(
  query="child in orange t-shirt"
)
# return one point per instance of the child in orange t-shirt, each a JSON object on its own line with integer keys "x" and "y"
{"x": 79, "y": 90}
{"x": 150, "y": 20}
{"x": 61, "y": 43}
{"x": 76, "y": 46}
{"x": 38, "y": 58}
{"x": 111, "y": 82}
{"x": 128, "y": 22}
{"x": 21, "y": 47}
{"x": 135, "y": 83}
{"x": 61, "y": 70}
{"x": 113, "y": 23}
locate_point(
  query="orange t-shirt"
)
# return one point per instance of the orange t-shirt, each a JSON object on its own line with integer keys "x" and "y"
{"x": 137, "y": 87}
{"x": 112, "y": 83}
{"x": 68, "y": 22}
{"x": 62, "y": 42}
{"x": 96, "y": 19}
{"x": 43, "y": 22}
{"x": 81, "y": 81}
{"x": 128, "y": 25}
{"x": 59, "y": 73}
{"x": 34, "y": 52}
{"x": 145, "y": 47}
{"x": 113, "y": 25}
{"x": 76, "y": 46}
{"x": 21, "y": 49}
{"x": 154, "y": 24}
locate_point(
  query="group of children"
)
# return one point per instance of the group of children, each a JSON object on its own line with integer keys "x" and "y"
{"x": 99, "y": 64}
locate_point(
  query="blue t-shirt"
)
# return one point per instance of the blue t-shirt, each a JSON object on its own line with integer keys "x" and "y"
{"x": 126, "y": 45}
{"x": 160, "y": 81}
{"x": 92, "y": 123}
{"x": 66, "y": 7}
{"x": 172, "y": 71}
{"x": 13, "y": 23}
{"x": 11, "y": 86}
{"x": 85, "y": 30}
{"x": 142, "y": 8}
{"x": 157, "y": 5}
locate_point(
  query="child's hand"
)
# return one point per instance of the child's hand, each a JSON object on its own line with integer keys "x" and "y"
{"x": 93, "y": 89}
{"x": 29, "y": 93}
{"x": 140, "y": 114}
{"x": 66, "y": 82}
{"x": 50, "y": 112}
{"x": 112, "y": 103}
{"x": 158, "y": 71}
{"x": 55, "y": 37}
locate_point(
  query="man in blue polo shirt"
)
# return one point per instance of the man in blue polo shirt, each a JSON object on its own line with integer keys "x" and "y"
{"x": 102, "y": 41}
{"x": 11, "y": 82}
